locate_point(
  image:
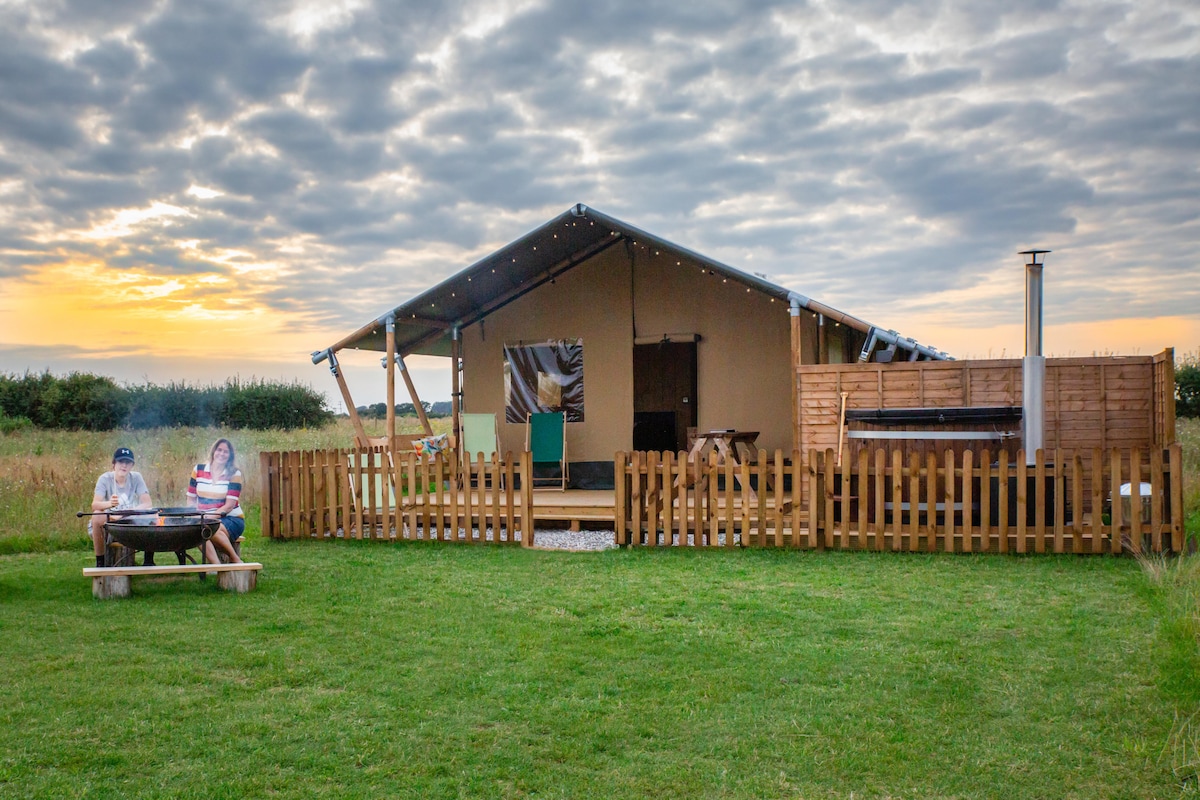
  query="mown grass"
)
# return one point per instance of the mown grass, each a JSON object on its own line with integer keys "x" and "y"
{"x": 410, "y": 669}
{"x": 416, "y": 670}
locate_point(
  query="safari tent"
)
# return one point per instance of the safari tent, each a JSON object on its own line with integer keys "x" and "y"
{"x": 638, "y": 340}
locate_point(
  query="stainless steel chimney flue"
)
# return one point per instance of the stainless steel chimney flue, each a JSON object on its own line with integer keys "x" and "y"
{"x": 1033, "y": 366}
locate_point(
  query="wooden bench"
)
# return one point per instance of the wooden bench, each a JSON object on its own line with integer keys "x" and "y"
{"x": 110, "y": 582}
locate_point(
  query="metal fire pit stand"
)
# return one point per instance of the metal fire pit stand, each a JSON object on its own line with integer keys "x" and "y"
{"x": 177, "y": 537}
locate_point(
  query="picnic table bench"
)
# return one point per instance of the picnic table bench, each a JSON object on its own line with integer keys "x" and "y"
{"x": 110, "y": 582}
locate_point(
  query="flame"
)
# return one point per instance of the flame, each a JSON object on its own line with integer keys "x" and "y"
{"x": 161, "y": 521}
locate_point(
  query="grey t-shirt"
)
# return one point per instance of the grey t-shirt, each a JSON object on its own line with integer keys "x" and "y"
{"x": 134, "y": 488}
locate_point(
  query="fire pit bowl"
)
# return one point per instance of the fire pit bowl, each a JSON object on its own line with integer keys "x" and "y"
{"x": 163, "y": 534}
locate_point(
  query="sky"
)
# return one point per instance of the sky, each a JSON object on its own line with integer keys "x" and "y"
{"x": 199, "y": 190}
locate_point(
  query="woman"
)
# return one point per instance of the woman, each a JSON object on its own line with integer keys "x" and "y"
{"x": 117, "y": 490}
{"x": 215, "y": 488}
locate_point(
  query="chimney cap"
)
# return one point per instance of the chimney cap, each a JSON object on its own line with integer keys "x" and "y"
{"x": 1033, "y": 255}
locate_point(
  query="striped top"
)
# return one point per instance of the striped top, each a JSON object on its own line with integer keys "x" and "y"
{"x": 210, "y": 494}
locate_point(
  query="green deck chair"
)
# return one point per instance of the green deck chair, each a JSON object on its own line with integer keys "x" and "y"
{"x": 546, "y": 439}
{"x": 479, "y": 435}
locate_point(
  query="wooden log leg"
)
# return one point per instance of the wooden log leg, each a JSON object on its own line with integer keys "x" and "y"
{"x": 241, "y": 582}
{"x": 110, "y": 587}
{"x": 117, "y": 555}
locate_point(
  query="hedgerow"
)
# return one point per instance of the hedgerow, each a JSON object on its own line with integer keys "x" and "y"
{"x": 81, "y": 401}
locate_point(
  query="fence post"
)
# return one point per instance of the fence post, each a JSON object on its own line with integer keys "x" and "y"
{"x": 653, "y": 493}
{"x": 825, "y": 485}
{"x": 1039, "y": 505}
{"x": 897, "y": 499}
{"x": 1022, "y": 499}
{"x": 760, "y": 475}
{"x": 1060, "y": 500}
{"x": 968, "y": 499}
{"x": 667, "y": 496}
{"x": 985, "y": 501}
{"x": 814, "y": 499}
{"x": 914, "y": 502}
{"x": 682, "y": 492}
{"x": 777, "y": 494}
{"x": 730, "y": 503}
{"x": 1076, "y": 503}
{"x": 1115, "y": 507}
{"x": 864, "y": 498}
{"x": 948, "y": 514}
{"x": 1156, "y": 498}
{"x": 847, "y": 497}
{"x": 267, "y": 501}
{"x": 1178, "y": 545}
{"x": 526, "y": 498}
{"x": 1002, "y": 502}
{"x": 931, "y": 500}
{"x": 1135, "y": 500}
{"x": 1098, "y": 500}
{"x": 797, "y": 493}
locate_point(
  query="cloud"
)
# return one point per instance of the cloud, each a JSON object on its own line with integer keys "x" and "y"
{"x": 876, "y": 155}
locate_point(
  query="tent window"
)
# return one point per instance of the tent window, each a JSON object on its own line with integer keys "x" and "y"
{"x": 547, "y": 376}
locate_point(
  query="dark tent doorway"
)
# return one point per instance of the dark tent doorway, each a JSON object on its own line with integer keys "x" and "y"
{"x": 664, "y": 395}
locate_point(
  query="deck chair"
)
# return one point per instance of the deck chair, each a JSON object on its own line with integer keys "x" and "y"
{"x": 480, "y": 434}
{"x": 546, "y": 439}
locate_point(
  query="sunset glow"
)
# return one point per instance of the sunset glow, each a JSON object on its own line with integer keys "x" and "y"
{"x": 193, "y": 191}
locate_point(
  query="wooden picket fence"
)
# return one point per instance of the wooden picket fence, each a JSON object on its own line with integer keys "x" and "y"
{"x": 957, "y": 503}
{"x": 362, "y": 493}
{"x": 665, "y": 499}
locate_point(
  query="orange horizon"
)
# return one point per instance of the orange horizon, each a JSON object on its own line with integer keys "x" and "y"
{"x": 123, "y": 318}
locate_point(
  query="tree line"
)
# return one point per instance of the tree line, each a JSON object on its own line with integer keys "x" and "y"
{"x": 379, "y": 410}
{"x": 1187, "y": 388}
{"x": 83, "y": 401}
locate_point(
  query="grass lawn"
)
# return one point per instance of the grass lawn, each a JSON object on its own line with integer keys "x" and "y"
{"x": 423, "y": 670}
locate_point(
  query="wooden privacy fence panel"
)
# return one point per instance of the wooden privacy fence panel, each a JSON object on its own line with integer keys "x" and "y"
{"x": 367, "y": 493}
{"x": 1065, "y": 502}
{"x": 1103, "y": 401}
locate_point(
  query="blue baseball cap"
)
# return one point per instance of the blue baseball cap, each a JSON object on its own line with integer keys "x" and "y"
{"x": 123, "y": 454}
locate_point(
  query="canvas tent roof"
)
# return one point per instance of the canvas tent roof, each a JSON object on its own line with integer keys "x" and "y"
{"x": 424, "y": 323}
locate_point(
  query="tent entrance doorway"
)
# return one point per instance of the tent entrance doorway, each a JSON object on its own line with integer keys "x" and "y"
{"x": 664, "y": 395}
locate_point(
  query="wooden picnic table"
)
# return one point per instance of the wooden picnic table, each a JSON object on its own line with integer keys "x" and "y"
{"x": 733, "y": 445}
{"x": 728, "y": 444}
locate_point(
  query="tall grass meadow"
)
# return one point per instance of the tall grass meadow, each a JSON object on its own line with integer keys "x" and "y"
{"x": 47, "y": 476}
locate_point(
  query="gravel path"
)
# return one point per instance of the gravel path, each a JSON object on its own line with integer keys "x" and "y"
{"x": 562, "y": 539}
{"x": 573, "y": 540}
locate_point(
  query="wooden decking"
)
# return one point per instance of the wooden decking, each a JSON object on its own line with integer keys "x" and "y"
{"x": 574, "y": 506}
